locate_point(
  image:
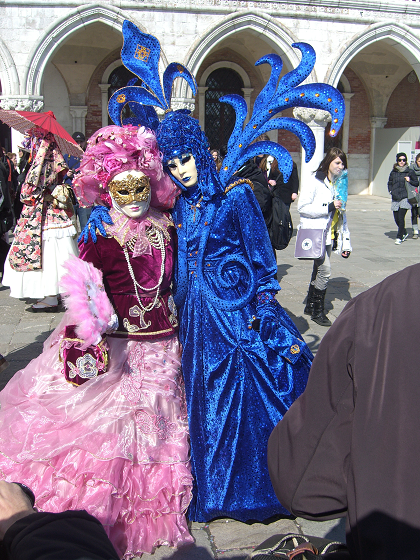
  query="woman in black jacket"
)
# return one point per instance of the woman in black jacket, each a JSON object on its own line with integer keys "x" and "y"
{"x": 398, "y": 178}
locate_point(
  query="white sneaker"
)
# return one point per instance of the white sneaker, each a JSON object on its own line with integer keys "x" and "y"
{"x": 405, "y": 236}
{"x": 398, "y": 241}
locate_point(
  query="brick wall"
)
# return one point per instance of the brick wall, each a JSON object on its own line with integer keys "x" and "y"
{"x": 287, "y": 139}
{"x": 403, "y": 105}
{"x": 359, "y": 132}
{"x": 94, "y": 100}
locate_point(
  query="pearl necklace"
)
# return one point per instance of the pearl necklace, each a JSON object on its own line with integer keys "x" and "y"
{"x": 158, "y": 240}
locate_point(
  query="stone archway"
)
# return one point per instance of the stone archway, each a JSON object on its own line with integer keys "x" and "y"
{"x": 403, "y": 50}
{"x": 400, "y": 36}
{"x": 8, "y": 74}
{"x": 59, "y": 32}
{"x": 10, "y": 97}
{"x": 271, "y": 32}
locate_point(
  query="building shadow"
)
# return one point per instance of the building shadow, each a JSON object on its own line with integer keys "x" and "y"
{"x": 303, "y": 326}
{"x": 18, "y": 359}
{"x": 193, "y": 552}
{"x": 338, "y": 288}
{"x": 338, "y": 532}
{"x": 391, "y": 234}
{"x": 282, "y": 271}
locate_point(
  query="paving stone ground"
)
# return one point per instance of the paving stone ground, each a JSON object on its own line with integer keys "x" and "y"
{"x": 374, "y": 257}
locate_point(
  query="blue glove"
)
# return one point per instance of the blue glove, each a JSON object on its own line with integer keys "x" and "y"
{"x": 268, "y": 309}
{"x": 98, "y": 215}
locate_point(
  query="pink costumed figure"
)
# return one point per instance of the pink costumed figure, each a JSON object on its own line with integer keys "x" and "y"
{"x": 98, "y": 421}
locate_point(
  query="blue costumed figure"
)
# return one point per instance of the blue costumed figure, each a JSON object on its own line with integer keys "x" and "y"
{"x": 244, "y": 361}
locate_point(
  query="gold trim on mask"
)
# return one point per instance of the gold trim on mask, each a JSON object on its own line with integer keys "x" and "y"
{"x": 130, "y": 189}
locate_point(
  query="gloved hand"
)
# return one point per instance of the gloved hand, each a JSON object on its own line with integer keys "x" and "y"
{"x": 268, "y": 313}
{"x": 98, "y": 215}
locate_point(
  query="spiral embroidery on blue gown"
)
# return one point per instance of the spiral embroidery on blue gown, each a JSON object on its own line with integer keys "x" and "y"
{"x": 238, "y": 386}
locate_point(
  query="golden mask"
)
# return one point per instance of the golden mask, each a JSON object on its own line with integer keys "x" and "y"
{"x": 130, "y": 189}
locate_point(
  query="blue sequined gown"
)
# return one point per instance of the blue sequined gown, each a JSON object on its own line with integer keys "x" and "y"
{"x": 237, "y": 388}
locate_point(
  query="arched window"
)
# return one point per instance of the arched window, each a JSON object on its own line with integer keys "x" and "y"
{"x": 220, "y": 117}
{"x": 118, "y": 79}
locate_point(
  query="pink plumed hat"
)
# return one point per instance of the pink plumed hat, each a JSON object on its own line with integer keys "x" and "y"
{"x": 114, "y": 149}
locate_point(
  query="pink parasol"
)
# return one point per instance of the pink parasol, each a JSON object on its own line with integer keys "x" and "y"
{"x": 24, "y": 121}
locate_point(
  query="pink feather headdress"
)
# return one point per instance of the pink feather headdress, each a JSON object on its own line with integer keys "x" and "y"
{"x": 114, "y": 149}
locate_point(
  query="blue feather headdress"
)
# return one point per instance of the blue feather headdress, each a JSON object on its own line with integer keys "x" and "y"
{"x": 141, "y": 53}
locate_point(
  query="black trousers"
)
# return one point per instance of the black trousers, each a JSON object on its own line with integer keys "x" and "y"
{"x": 4, "y": 250}
{"x": 399, "y": 217}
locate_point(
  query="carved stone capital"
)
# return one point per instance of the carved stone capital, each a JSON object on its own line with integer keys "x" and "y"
{"x": 378, "y": 122}
{"x": 22, "y": 103}
{"x": 78, "y": 111}
{"x": 182, "y": 103}
{"x": 312, "y": 117}
{"x": 104, "y": 87}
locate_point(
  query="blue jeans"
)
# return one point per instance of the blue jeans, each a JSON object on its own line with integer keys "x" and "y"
{"x": 83, "y": 215}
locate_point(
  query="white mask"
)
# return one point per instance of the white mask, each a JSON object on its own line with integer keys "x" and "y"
{"x": 184, "y": 169}
{"x": 134, "y": 209}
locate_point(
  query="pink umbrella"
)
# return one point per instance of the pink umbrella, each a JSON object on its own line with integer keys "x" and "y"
{"x": 24, "y": 121}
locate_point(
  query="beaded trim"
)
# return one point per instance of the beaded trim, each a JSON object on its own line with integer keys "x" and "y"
{"x": 239, "y": 182}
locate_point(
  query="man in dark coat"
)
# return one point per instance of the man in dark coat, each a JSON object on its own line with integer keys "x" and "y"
{"x": 288, "y": 192}
{"x": 28, "y": 535}
{"x": 262, "y": 192}
{"x": 350, "y": 445}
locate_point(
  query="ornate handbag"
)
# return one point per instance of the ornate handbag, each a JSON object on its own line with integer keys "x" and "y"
{"x": 81, "y": 365}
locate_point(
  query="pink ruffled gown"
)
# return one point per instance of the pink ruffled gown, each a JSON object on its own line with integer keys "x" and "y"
{"x": 116, "y": 446}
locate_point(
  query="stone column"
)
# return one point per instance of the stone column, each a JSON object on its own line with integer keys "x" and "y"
{"x": 104, "y": 102}
{"x": 346, "y": 123}
{"x": 247, "y": 96}
{"x": 202, "y": 106}
{"x": 78, "y": 114}
{"x": 375, "y": 122}
{"x": 17, "y": 139}
{"x": 317, "y": 120}
{"x": 183, "y": 103}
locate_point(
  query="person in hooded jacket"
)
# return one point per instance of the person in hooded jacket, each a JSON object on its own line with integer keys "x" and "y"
{"x": 400, "y": 175}
{"x": 415, "y": 166}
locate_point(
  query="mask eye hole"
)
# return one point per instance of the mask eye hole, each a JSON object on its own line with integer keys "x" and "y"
{"x": 139, "y": 190}
{"x": 123, "y": 192}
{"x": 185, "y": 158}
{"x": 171, "y": 165}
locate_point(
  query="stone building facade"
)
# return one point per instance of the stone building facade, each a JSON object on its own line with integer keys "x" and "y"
{"x": 64, "y": 56}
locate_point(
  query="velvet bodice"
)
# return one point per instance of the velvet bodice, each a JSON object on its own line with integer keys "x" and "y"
{"x": 108, "y": 255}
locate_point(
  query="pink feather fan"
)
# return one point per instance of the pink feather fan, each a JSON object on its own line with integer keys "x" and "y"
{"x": 86, "y": 301}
